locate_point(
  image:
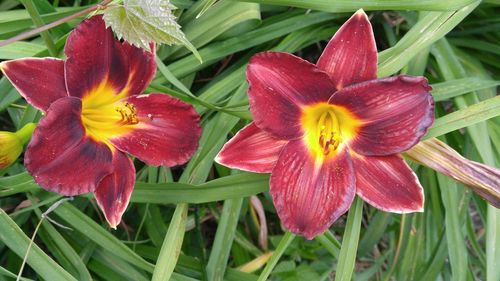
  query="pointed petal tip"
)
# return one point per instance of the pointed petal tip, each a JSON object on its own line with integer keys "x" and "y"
{"x": 252, "y": 150}
{"x": 113, "y": 217}
{"x": 45, "y": 75}
{"x": 351, "y": 57}
{"x": 114, "y": 191}
{"x": 217, "y": 159}
{"x": 113, "y": 223}
{"x": 388, "y": 184}
{"x": 360, "y": 13}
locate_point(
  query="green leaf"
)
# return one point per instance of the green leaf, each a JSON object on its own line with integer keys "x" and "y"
{"x": 172, "y": 244}
{"x": 19, "y": 50}
{"x": 140, "y": 22}
{"x": 235, "y": 186}
{"x": 18, "y": 242}
{"x": 457, "y": 250}
{"x": 453, "y": 88}
{"x": 282, "y": 246}
{"x": 492, "y": 242}
{"x": 347, "y": 258}
{"x": 82, "y": 223}
{"x": 465, "y": 117}
{"x": 339, "y": 6}
{"x": 208, "y": 4}
{"x": 429, "y": 29}
{"x": 224, "y": 237}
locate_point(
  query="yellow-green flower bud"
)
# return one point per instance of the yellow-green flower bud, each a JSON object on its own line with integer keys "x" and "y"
{"x": 10, "y": 148}
{"x": 11, "y": 144}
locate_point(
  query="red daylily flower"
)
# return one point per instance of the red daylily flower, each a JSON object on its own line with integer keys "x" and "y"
{"x": 331, "y": 130}
{"x": 94, "y": 115}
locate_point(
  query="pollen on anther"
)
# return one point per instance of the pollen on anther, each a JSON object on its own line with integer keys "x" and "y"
{"x": 128, "y": 113}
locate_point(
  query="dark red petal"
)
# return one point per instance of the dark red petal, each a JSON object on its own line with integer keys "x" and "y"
{"x": 280, "y": 84}
{"x": 96, "y": 57}
{"x": 60, "y": 157}
{"x": 308, "y": 195}
{"x": 251, "y": 149}
{"x": 388, "y": 183}
{"x": 39, "y": 80}
{"x": 396, "y": 113}
{"x": 142, "y": 67}
{"x": 351, "y": 55}
{"x": 113, "y": 192}
{"x": 167, "y": 133}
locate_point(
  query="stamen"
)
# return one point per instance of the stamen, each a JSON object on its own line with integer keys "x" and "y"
{"x": 128, "y": 113}
{"x": 328, "y": 133}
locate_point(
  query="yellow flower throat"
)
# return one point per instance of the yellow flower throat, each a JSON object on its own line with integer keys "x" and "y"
{"x": 105, "y": 115}
{"x": 326, "y": 128}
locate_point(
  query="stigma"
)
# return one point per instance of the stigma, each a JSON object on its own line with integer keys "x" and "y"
{"x": 128, "y": 114}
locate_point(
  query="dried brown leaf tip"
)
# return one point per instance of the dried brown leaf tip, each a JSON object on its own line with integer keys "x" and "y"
{"x": 482, "y": 179}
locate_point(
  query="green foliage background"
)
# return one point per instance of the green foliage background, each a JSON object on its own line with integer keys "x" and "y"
{"x": 201, "y": 212}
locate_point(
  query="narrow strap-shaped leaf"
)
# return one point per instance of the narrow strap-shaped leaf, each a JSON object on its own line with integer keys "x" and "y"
{"x": 471, "y": 115}
{"x": 172, "y": 244}
{"x": 211, "y": 53}
{"x": 282, "y": 246}
{"x": 492, "y": 244}
{"x": 449, "y": 89}
{"x": 88, "y": 227}
{"x": 428, "y": 30}
{"x": 341, "y": 6}
{"x": 241, "y": 185}
{"x": 456, "y": 241}
{"x": 347, "y": 258}
{"x": 329, "y": 242}
{"x": 66, "y": 249}
{"x": 224, "y": 237}
{"x": 12, "y": 236}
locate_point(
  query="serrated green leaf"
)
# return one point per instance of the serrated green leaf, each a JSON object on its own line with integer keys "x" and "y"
{"x": 140, "y": 22}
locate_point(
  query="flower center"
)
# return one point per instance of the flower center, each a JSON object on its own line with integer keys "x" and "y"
{"x": 128, "y": 113}
{"x": 105, "y": 115}
{"x": 327, "y": 128}
{"x": 328, "y": 132}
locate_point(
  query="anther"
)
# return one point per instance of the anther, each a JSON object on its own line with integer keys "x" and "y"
{"x": 128, "y": 113}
